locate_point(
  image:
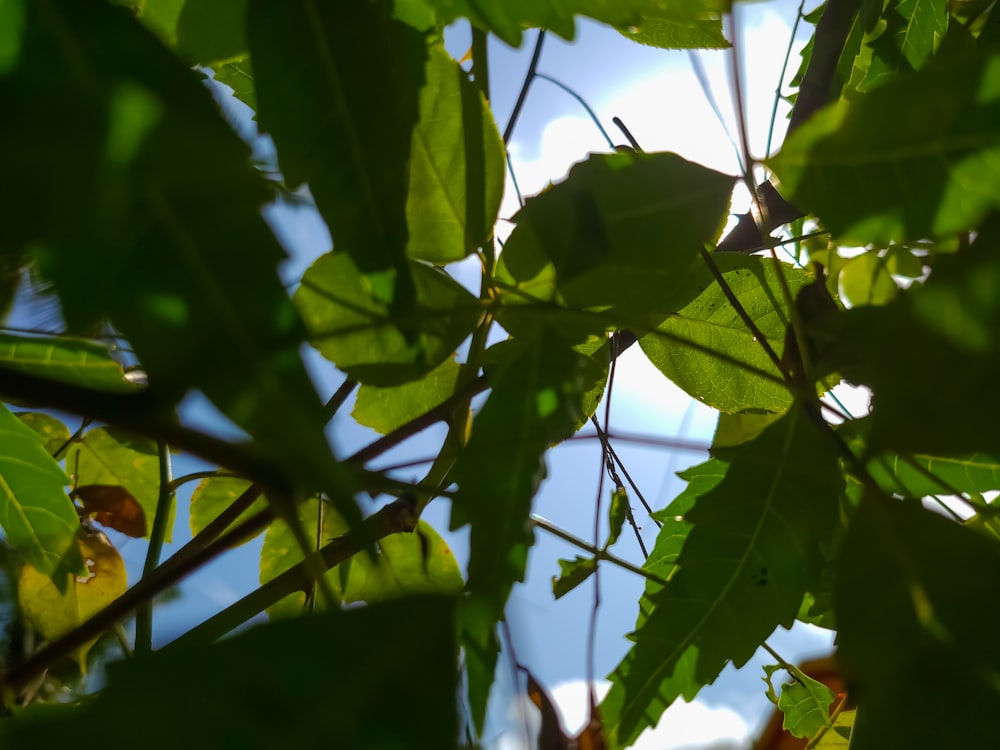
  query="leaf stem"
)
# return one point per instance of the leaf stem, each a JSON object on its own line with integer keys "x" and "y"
{"x": 161, "y": 524}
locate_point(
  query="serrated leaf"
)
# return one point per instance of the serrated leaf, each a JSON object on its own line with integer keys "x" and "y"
{"x": 538, "y": 386}
{"x": 292, "y": 673}
{"x": 913, "y": 30}
{"x": 508, "y": 18}
{"x": 238, "y": 75}
{"x": 752, "y": 552}
{"x": 926, "y": 177}
{"x": 68, "y": 360}
{"x": 457, "y": 166}
{"x": 622, "y": 230}
{"x": 109, "y": 456}
{"x": 54, "y": 433}
{"x": 345, "y": 128}
{"x": 55, "y": 610}
{"x": 213, "y": 495}
{"x": 806, "y": 705}
{"x": 385, "y": 409}
{"x": 37, "y": 517}
{"x": 911, "y": 620}
{"x": 571, "y": 574}
{"x": 710, "y": 321}
{"x": 354, "y": 330}
{"x": 673, "y": 33}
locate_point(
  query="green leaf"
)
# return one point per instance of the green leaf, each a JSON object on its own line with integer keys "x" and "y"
{"x": 354, "y": 330}
{"x": 332, "y": 680}
{"x": 202, "y": 32}
{"x": 912, "y": 619}
{"x": 866, "y": 280}
{"x": 617, "y": 514}
{"x": 385, "y": 409}
{"x": 54, "y": 434}
{"x": 457, "y": 167}
{"x": 213, "y": 495}
{"x": 37, "y": 516}
{"x": 135, "y": 229}
{"x": 508, "y": 18}
{"x": 107, "y": 455}
{"x": 753, "y": 550}
{"x": 11, "y": 28}
{"x": 923, "y": 177}
{"x": 838, "y": 737}
{"x": 741, "y": 427}
{"x": 709, "y": 320}
{"x": 571, "y": 574}
{"x": 622, "y": 229}
{"x": 673, "y": 33}
{"x": 806, "y": 705}
{"x": 418, "y": 562}
{"x": 911, "y": 33}
{"x": 538, "y": 385}
{"x": 238, "y": 76}
{"x": 68, "y": 360}
{"x": 345, "y": 128}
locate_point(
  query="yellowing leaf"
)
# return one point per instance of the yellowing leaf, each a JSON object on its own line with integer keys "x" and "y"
{"x": 54, "y": 613}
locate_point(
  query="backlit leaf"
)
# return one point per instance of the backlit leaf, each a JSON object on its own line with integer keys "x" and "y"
{"x": 457, "y": 166}
{"x": 674, "y": 33}
{"x": 68, "y": 360}
{"x": 538, "y": 385}
{"x": 926, "y": 177}
{"x": 354, "y": 330}
{"x": 623, "y": 229}
{"x": 508, "y": 18}
{"x": 805, "y": 702}
{"x": 54, "y": 611}
{"x": 385, "y": 409}
{"x": 109, "y": 456}
{"x": 238, "y": 76}
{"x": 711, "y": 321}
{"x": 618, "y": 513}
{"x": 345, "y": 128}
{"x": 753, "y": 550}
{"x": 54, "y": 434}
{"x": 571, "y": 574}
{"x": 213, "y": 495}
{"x": 37, "y": 516}
{"x": 114, "y": 507}
{"x": 911, "y": 620}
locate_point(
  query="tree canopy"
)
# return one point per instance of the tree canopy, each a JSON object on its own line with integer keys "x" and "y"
{"x": 871, "y": 256}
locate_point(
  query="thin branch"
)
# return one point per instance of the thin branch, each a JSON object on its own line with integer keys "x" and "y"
{"x": 522, "y": 95}
{"x": 161, "y": 522}
{"x": 338, "y": 398}
{"x": 580, "y": 100}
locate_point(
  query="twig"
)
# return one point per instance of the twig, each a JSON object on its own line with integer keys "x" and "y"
{"x": 523, "y": 94}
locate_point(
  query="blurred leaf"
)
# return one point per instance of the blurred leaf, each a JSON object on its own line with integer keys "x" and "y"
{"x": 925, "y": 177}
{"x": 741, "y": 427}
{"x": 345, "y": 128}
{"x": 571, "y": 574}
{"x": 617, "y": 514}
{"x": 114, "y": 507}
{"x": 37, "y": 516}
{"x": 213, "y": 495}
{"x": 711, "y": 321}
{"x": 912, "y": 30}
{"x": 134, "y": 228}
{"x": 305, "y": 689}
{"x": 508, "y": 18}
{"x": 538, "y": 386}
{"x": 866, "y": 280}
{"x": 838, "y": 737}
{"x": 457, "y": 167}
{"x": 805, "y": 702}
{"x": 238, "y": 76}
{"x": 68, "y": 360}
{"x": 110, "y": 456}
{"x": 54, "y": 433}
{"x": 672, "y": 33}
{"x": 54, "y": 611}
{"x": 351, "y": 328}
{"x": 11, "y": 27}
{"x": 419, "y": 562}
{"x": 623, "y": 229}
{"x": 385, "y": 409}
{"x": 202, "y": 32}
{"x": 912, "y": 619}
{"x": 753, "y": 551}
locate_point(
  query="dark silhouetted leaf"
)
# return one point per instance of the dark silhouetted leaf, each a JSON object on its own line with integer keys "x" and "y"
{"x": 345, "y": 128}
{"x": 912, "y": 608}
{"x": 928, "y": 176}
{"x": 285, "y": 684}
{"x": 753, "y": 550}
{"x": 618, "y": 512}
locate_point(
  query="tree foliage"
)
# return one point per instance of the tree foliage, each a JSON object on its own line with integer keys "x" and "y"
{"x": 133, "y": 200}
